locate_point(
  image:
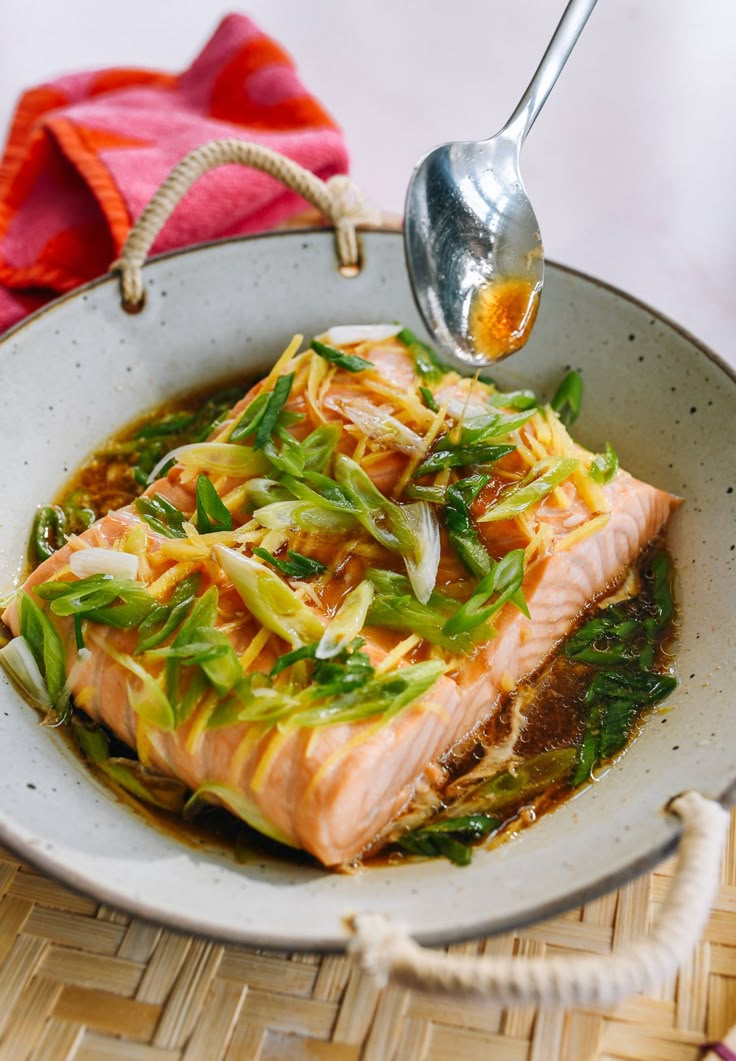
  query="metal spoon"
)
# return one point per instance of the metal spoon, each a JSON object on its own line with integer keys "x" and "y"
{"x": 472, "y": 240}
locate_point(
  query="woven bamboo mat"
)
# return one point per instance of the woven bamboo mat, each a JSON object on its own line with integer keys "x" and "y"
{"x": 80, "y": 980}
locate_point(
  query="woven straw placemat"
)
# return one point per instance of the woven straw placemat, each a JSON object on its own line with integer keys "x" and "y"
{"x": 80, "y": 980}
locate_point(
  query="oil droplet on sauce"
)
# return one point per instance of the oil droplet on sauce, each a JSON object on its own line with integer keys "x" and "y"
{"x": 502, "y": 315}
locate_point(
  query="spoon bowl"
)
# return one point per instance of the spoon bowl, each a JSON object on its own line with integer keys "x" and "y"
{"x": 472, "y": 241}
{"x": 474, "y": 249}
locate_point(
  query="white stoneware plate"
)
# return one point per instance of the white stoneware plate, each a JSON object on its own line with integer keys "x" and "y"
{"x": 82, "y": 368}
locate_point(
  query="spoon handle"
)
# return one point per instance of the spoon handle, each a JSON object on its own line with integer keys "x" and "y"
{"x": 562, "y": 43}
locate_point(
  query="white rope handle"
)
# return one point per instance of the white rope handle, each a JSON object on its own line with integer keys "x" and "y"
{"x": 387, "y": 951}
{"x": 338, "y": 199}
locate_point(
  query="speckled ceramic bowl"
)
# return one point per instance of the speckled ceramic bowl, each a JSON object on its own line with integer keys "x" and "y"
{"x": 82, "y": 368}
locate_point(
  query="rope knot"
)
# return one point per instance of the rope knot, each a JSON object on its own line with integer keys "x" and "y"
{"x": 376, "y": 944}
{"x": 349, "y": 208}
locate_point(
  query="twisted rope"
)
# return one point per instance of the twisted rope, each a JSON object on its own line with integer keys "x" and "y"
{"x": 386, "y": 951}
{"x": 338, "y": 199}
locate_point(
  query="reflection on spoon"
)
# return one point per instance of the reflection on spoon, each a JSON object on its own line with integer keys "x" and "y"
{"x": 502, "y": 314}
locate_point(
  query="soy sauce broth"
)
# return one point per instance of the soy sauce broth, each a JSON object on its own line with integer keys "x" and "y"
{"x": 552, "y": 703}
{"x": 117, "y": 472}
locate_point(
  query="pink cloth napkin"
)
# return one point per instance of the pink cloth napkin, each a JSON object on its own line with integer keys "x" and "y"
{"x": 86, "y": 152}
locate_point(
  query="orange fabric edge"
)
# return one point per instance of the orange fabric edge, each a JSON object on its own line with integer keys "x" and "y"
{"x": 58, "y": 280}
{"x": 97, "y": 176}
{"x": 32, "y": 105}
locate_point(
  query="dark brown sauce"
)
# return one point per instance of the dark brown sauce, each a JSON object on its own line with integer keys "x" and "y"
{"x": 553, "y": 699}
{"x": 555, "y": 711}
{"x": 106, "y": 481}
{"x": 502, "y": 315}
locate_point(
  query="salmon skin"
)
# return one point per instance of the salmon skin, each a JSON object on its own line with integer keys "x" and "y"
{"x": 350, "y": 575}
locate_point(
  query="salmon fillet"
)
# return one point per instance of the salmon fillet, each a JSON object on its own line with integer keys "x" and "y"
{"x": 331, "y": 787}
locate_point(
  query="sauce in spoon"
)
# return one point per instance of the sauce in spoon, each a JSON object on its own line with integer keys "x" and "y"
{"x": 502, "y": 314}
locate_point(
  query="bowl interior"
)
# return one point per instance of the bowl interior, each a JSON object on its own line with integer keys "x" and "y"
{"x": 82, "y": 368}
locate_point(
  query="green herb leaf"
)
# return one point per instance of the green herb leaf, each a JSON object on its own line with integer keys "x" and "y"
{"x": 211, "y": 650}
{"x": 221, "y": 458}
{"x": 503, "y": 583}
{"x": 382, "y": 518}
{"x": 273, "y": 603}
{"x": 396, "y": 608}
{"x": 614, "y": 652}
{"x": 451, "y": 837}
{"x": 161, "y": 515}
{"x": 429, "y": 399}
{"x": 290, "y": 658}
{"x": 347, "y": 622}
{"x": 385, "y": 695}
{"x": 169, "y": 424}
{"x": 119, "y": 602}
{"x": 615, "y": 727}
{"x": 212, "y": 514}
{"x": 210, "y": 415}
{"x": 521, "y": 399}
{"x": 435, "y": 495}
{"x": 631, "y": 684}
{"x": 462, "y": 533}
{"x": 92, "y": 740}
{"x": 350, "y": 362}
{"x": 589, "y": 751}
{"x": 165, "y": 618}
{"x": 319, "y": 446}
{"x": 658, "y": 570}
{"x": 510, "y": 789}
{"x": 289, "y": 456}
{"x": 164, "y": 792}
{"x": 487, "y": 426}
{"x": 295, "y": 566}
{"x": 426, "y": 361}
{"x": 251, "y": 417}
{"x": 78, "y": 515}
{"x": 543, "y": 478}
{"x": 47, "y": 648}
{"x": 568, "y": 398}
{"x": 318, "y": 518}
{"x": 447, "y": 455}
{"x": 348, "y": 670}
{"x": 351, "y": 669}
{"x": 48, "y": 533}
{"x": 604, "y": 466}
{"x": 277, "y": 400}
{"x": 624, "y": 650}
{"x": 238, "y": 804}
{"x": 193, "y": 630}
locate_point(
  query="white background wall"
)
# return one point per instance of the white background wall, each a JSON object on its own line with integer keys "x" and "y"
{"x": 631, "y": 166}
